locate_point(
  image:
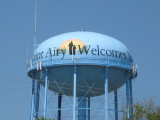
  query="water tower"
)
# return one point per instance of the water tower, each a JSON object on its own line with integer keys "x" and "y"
{"x": 81, "y": 65}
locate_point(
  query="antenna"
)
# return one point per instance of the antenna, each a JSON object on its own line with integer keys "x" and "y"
{"x": 35, "y": 25}
{"x": 27, "y": 54}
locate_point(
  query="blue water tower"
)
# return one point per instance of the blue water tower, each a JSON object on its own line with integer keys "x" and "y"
{"x": 81, "y": 65}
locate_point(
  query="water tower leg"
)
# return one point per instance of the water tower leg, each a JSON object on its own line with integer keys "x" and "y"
{"x": 81, "y": 108}
{"x": 46, "y": 93}
{"x": 116, "y": 104}
{"x": 106, "y": 93}
{"x": 33, "y": 96}
{"x": 74, "y": 93}
{"x": 59, "y": 106}
{"x": 127, "y": 93}
{"x": 131, "y": 99}
{"x": 37, "y": 99}
{"x": 88, "y": 108}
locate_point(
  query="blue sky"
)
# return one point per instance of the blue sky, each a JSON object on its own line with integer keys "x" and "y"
{"x": 135, "y": 23}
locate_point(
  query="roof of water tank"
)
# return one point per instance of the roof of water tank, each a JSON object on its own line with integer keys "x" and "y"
{"x": 82, "y": 47}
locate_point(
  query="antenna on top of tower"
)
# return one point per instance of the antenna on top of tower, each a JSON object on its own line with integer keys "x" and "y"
{"x": 35, "y": 25}
{"x": 27, "y": 54}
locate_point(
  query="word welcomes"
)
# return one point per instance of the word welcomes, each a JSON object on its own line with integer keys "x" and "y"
{"x": 78, "y": 49}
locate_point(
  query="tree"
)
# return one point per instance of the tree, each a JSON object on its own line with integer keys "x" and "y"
{"x": 42, "y": 118}
{"x": 146, "y": 110}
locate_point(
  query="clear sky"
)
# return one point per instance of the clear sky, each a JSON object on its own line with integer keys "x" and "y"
{"x": 136, "y": 23}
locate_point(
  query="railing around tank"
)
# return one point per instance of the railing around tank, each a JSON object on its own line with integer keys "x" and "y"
{"x": 83, "y": 61}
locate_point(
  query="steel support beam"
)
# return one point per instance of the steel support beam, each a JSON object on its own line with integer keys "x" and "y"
{"x": 59, "y": 106}
{"x": 127, "y": 88}
{"x": 130, "y": 100}
{"x": 116, "y": 104}
{"x": 74, "y": 92}
{"x": 88, "y": 108}
{"x": 33, "y": 96}
{"x": 82, "y": 108}
{"x": 129, "y": 97}
{"x": 37, "y": 100}
{"x": 46, "y": 94}
{"x": 106, "y": 93}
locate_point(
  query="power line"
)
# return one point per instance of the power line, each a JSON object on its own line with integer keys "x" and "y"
{"x": 16, "y": 81}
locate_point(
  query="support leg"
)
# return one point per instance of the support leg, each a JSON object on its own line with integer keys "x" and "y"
{"x": 88, "y": 108}
{"x": 106, "y": 93}
{"x": 127, "y": 93}
{"x": 116, "y": 104}
{"x": 130, "y": 100}
{"x": 81, "y": 108}
{"x": 59, "y": 106}
{"x": 37, "y": 100}
{"x": 46, "y": 93}
{"x": 74, "y": 94}
{"x": 33, "y": 96}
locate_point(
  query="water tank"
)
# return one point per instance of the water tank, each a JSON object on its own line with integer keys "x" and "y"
{"x": 91, "y": 52}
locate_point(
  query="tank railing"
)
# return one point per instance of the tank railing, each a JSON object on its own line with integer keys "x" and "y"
{"x": 112, "y": 62}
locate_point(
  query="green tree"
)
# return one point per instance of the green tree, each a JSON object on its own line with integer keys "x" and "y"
{"x": 146, "y": 110}
{"x": 42, "y": 118}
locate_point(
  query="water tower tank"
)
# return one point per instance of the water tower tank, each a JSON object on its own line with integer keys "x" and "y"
{"x": 91, "y": 52}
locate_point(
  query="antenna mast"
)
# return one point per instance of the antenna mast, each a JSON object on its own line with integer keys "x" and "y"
{"x": 35, "y": 25}
{"x": 27, "y": 54}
